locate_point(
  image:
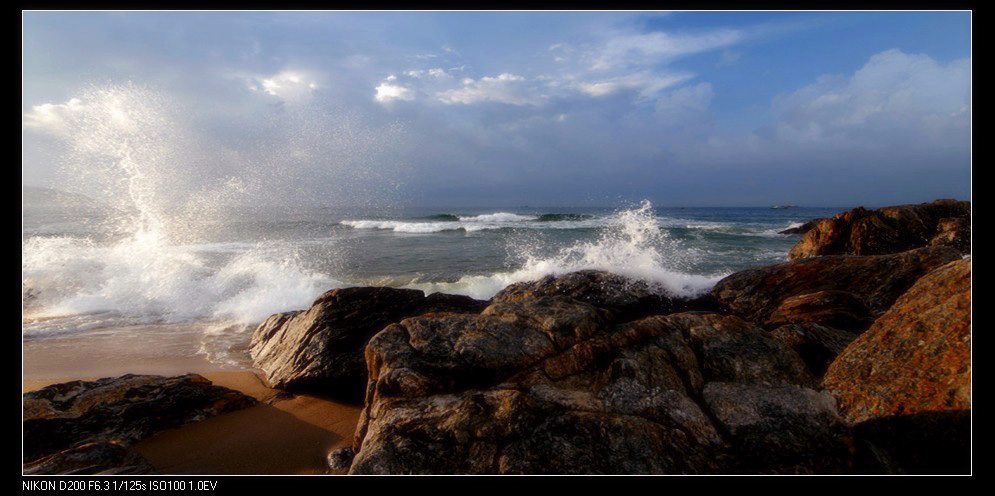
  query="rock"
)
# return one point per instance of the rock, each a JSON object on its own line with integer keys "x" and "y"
{"x": 955, "y": 232}
{"x": 626, "y": 299}
{"x": 321, "y": 349}
{"x": 877, "y": 232}
{"x": 549, "y": 385}
{"x": 817, "y": 345}
{"x": 119, "y": 410}
{"x": 802, "y": 229}
{"x": 876, "y": 280}
{"x": 339, "y": 459}
{"x": 916, "y": 357}
{"x": 832, "y": 308}
{"x": 97, "y": 458}
{"x": 780, "y": 429}
{"x": 922, "y": 443}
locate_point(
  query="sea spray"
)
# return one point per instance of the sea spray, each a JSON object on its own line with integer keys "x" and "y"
{"x": 631, "y": 244}
{"x": 164, "y": 192}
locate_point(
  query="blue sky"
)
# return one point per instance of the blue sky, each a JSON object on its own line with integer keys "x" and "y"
{"x": 491, "y": 108}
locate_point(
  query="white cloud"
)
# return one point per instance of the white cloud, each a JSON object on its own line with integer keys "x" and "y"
{"x": 505, "y": 88}
{"x": 289, "y": 85}
{"x": 51, "y": 117}
{"x": 636, "y": 49}
{"x": 389, "y": 91}
{"x": 894, "y": 97}
{"x": 647, "y": 83}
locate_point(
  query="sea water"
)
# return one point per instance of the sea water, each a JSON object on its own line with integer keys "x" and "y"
{"x": 145, "y": 234}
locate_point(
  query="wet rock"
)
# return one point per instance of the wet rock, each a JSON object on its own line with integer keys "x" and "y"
{"x": 97, "y": 458}
{"x": 876, "y": 280}
{"x": 550, "y": 385}
{"x": 877, "y": 232}
{"x": 916, "y": 357}
{"x": 626, "y": 299}
{"x": 832, "y": 308}
{"x": 321, "y": 349}
{"x": 817, "y": 345}
{"x": 118, "y": 410}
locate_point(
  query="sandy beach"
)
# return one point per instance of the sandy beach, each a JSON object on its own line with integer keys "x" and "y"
{"x": 283, "y": 434}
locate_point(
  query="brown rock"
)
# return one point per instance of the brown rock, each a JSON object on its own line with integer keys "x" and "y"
{"x": 876, "y": 280}
{"x": 916, "y": 357}
{"x": 876, "y": 232}
{"x": 832, "y": 308}
{"x": 120, "y": 410}
{"x": 817, "y": 345}
{"x": 321, "y": 349}
{"x": 954, "y": 232}
{"x": 549, "y": 385}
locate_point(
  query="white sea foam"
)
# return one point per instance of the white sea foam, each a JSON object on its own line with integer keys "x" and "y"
{"x": 632, "y": 245}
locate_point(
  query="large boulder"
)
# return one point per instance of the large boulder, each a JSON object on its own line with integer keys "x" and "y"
{"x": 916, "y": 357}
{"x": 885, "y": 230}
{"x": 626, "y": 299}
{"x": 549, "y": 385}
{"x": 321, "y": 349}
{"x": 83, "y": 421}
{"x": 877, "y": 281}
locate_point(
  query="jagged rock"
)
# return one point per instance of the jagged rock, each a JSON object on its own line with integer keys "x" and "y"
{"x": 626, "y": 299}
{"x": 955, "y": 231}
{"x": 321, "y": 349}
{"x": 916, "y": 357}
{"x": 877, "y": 232}
{"x": 817, "y": 345}
{"x": 876, "y": 280}
{"x": 97, "y": 458}
{"x": 832, "y": 308}
{"x": 922, "y": 443}
{"x": 123, "y": 409}
{"x": 549, "y": 385}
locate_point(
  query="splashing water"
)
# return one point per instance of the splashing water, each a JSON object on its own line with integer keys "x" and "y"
{"x": 632, "y": 245}
{"x": 127, "y": 147}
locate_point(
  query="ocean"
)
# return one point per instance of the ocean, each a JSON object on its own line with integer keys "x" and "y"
{"x": 90, "y": 269}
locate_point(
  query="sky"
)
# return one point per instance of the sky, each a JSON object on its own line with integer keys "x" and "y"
{"x": 504, "y": 108}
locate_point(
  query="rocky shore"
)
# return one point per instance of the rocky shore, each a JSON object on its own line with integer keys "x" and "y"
{"x": 852, "y": 357}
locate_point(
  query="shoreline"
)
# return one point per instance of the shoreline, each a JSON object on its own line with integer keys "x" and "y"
{"x": 283, "y": 434}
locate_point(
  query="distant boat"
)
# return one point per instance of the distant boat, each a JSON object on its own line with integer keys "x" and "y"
{"x": 783, "y": 206}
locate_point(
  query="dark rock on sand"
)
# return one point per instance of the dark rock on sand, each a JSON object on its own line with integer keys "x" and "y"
{"x": 550, "y": 385}
{"x": 626, "y": 299}
{"x": 817, "y": 345}
{"x": 877, "y": 280}
{"x": 832, "y": 308}
{"x": 885, "y": 230}
{"x": 340, "y": 459}
{"x": 118, "y": 410}
{"x": 321, "y": 349}
{"x": 916, "y": 357}
{"x": 97, "y": 458}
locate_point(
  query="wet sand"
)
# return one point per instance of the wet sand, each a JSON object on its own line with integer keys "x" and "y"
{"x": 283, "y": 434}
